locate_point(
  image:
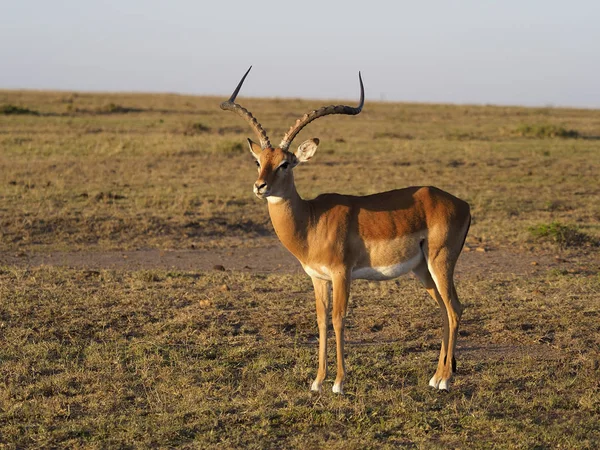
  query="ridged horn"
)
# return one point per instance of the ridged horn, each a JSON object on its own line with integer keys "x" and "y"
{"x": 324, "y": 111}
{"x": 230, "y": 105}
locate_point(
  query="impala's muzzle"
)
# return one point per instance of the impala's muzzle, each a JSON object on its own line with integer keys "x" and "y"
{"x": 260, "y": 189}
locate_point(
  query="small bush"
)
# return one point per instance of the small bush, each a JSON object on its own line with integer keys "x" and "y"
{"x": 545, "y": 131}
{"x": 463, "y": 136}
{"x": 147, "y": 276}
{"x": 9, "y": 109}
{"x": 194, "y": 129}
{"x": 392, "y": 135}
{"x": 562, "y": 235}
{"x": 228, "y": 147}
{"x": 113, "y": 108}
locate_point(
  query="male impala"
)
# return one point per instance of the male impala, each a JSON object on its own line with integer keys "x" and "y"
{"x": 338, "y": 238}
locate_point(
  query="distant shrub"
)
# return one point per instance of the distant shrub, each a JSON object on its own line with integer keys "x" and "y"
{"x": 391, "y": 135}
{"x": 113, "y": 108}
{"x": 233, "y": 130}
{"x": 463, "y": 136}
{"x": 196, "y": 128}
{"x": 9, "y": 109}
{"x": 562, "y": 235}
{"x": 545, "y": 131}
{"x": 108, "y": 197}
{"x": 229, "y": 147}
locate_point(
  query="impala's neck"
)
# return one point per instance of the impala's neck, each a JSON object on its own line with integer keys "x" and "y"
{"x": 290, "y": 215}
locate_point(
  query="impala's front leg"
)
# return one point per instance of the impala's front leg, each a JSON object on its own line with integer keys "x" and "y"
{"x": 341, "y": 291}
{"x": 322, "y": 303}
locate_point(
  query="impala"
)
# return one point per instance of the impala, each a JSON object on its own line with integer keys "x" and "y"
{"x": 338, "y": 238}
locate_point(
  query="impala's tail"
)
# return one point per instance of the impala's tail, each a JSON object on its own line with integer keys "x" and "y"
{"x": 467, "y": 231}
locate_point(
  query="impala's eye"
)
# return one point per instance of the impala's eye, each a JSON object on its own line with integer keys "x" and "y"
{"x": 257, "y": 163}
{"x": 284, "y": 165}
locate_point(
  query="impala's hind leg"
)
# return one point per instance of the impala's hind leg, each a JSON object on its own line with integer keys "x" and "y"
{"x": 441, "y": 270}
{"x": 422, "y": 272}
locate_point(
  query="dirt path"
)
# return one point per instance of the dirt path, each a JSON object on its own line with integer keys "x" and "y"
{"x": 268, "y": 258}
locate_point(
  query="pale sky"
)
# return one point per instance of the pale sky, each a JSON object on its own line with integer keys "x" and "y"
{"x": 525, "y": 52}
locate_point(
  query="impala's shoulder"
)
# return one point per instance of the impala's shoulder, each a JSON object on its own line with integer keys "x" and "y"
{"x": 337, "y": 204}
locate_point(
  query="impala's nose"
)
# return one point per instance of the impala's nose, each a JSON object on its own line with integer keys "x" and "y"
{"x": 261, "y": 189}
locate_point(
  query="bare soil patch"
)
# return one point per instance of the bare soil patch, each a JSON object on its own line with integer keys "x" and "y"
{"x": 271, "y": 257}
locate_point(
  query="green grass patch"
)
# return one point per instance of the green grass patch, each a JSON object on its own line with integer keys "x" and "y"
{"x": 562, "y": 235}
{"x": 542, "y": 131}
{"x": 9, "y": 109}
{"x": 193, "y": 129}
{"x": 114, "y": 108}
{"x": 230, "y": 147}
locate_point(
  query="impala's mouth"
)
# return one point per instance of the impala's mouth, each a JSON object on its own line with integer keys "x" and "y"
{"x": 262, "y": 194}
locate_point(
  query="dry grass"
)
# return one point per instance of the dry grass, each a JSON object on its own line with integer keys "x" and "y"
{"x": 157, "y": 359}
{"x": 176, "y": 173}
{"x": 138, "y": 359}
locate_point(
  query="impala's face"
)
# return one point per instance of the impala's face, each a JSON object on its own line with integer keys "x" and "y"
{"x": 274, "y": 173}
{"x": 275, "y": 178}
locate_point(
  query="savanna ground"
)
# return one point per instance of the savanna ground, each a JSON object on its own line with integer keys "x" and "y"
{"x": 144, "y": 301}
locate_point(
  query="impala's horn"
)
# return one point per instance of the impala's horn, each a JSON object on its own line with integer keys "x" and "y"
{"x": 230, "y": 105}
{"x": 324, "y": 111}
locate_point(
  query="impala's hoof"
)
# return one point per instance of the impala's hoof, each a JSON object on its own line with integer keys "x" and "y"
{"x": 434, "y": 383}
{"x": 443, "y": 386}
{"x": 440, "y": 383}
{"x": 316, "y": 386}
{"x": 337, "y": 389}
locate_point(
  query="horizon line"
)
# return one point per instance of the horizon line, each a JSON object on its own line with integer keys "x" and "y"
{"x": 326, "y": 99}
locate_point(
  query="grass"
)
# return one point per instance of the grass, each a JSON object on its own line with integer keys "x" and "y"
{"x": 159, "y": 359}
{"x": 562, "y": 235}
{"x": 224, "y": 359}
{"x": 195, "y": 128}
{"x": 545, "y": 131}
{"x": 113, "y": 108}
{"x": 56, "y": 164}
{"x": 9, "y": 109}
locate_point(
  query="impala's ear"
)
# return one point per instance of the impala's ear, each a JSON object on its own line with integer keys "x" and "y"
{"x": 255, "y": 149}
{"x": 307, "y": 149}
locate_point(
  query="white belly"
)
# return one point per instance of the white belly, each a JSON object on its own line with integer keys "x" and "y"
{"x": 387, "y": 272}
{"x": 369, "y": 273}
